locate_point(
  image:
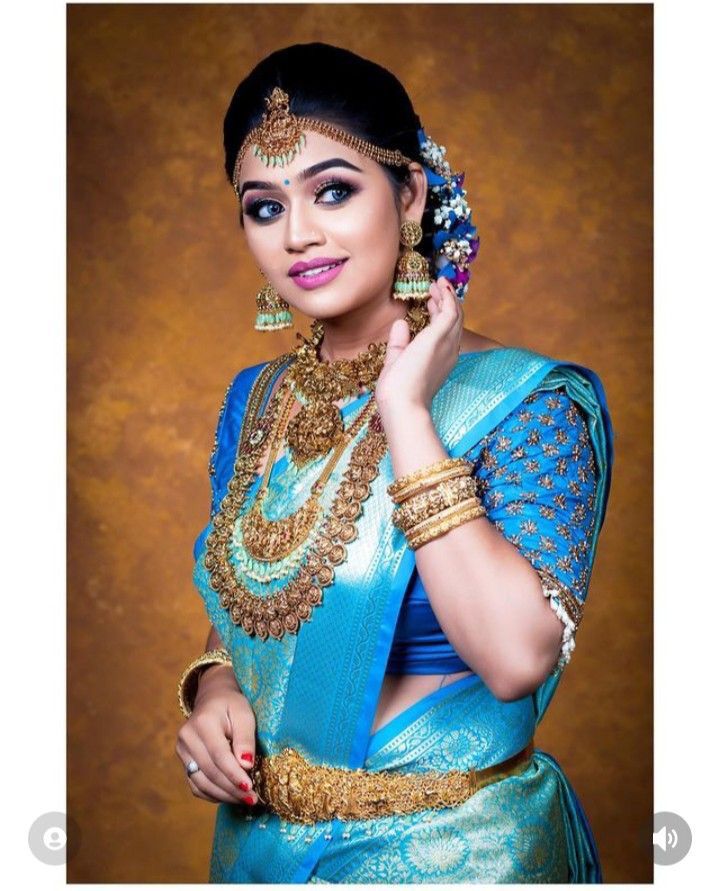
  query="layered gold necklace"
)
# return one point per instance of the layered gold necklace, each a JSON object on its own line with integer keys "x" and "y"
{"x": 283, "y": 611}
{"x": 272, "y": 540}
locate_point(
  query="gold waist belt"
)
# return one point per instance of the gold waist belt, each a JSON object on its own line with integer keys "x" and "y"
{"x": 302, "y": 792}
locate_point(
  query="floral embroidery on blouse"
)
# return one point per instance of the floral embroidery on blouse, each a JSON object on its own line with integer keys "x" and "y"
{"x": 537, "y": 481}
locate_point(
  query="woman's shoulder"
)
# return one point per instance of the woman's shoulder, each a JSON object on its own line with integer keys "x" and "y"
{"x": 485, "y": 359}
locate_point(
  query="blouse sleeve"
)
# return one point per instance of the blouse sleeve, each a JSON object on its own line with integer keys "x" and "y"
{"x": 221, "y": 453}
{"x": 212, "y": 462}
{"x": 537, "y": 480}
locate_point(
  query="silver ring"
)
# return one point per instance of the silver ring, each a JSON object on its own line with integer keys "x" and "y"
{"x": 191, "y": 767}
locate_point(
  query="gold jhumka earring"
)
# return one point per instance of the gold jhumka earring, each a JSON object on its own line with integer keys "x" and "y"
{"x": 412, "y": 274}
{"x": 273, "y": 312}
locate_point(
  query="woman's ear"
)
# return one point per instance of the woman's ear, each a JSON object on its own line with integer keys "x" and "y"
{"x": 414, "y": 193}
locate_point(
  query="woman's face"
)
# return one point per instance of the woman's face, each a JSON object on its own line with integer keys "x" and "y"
{"x": 330, "y": 203}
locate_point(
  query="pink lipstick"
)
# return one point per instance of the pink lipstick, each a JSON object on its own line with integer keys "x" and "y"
{"x": 317, "y": 272}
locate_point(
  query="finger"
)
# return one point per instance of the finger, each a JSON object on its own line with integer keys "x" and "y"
{"x": 449, "y": 308}
{"x": 241, "y": 735}
{"x": 433, "y": 303}
{"x": 455, "y": 302}
{"x": 202, "y": 787}
{"x": 398, "y": 339}
{"x": 227, "y": 765}
{"x": 198, "y": 782}
{"x": 195, "y": 744}
{"x": 185, "y": 757}
{"x": 449, "y": 291}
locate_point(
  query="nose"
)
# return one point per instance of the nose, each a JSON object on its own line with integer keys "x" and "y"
{"x": 301, "y": 229}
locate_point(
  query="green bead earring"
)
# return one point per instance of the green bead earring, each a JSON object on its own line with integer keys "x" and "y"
{"x": 273, "y": 313}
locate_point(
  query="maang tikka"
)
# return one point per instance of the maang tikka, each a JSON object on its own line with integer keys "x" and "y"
{"x": 281, "y": 135}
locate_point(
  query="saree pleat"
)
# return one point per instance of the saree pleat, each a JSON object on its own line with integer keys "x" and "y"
{"x": 317, "y": 691}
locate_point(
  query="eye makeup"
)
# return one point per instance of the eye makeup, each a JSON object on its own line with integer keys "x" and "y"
{"x": 254, "y": 208}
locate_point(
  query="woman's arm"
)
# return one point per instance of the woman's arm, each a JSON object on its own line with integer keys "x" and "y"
{"x": 487, "y": 597}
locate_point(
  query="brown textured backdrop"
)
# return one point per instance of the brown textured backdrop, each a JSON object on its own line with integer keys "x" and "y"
{"x": 548, "y": 109}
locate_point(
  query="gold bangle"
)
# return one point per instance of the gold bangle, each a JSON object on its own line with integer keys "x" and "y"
{"x": 398, "y": 489}
{"x": 447, "y": 512}
{"x": 447, "y": 520}
{"x": 187, "y": 688}
{"x": 430, "y": 481}
{"x": 426, "y": 504}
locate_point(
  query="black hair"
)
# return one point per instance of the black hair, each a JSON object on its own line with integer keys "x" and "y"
{"x": 333, "y": 84}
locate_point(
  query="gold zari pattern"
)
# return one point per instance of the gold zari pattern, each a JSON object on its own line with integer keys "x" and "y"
{"x": 302, "y": 792}
{"x": 553, "y": 587}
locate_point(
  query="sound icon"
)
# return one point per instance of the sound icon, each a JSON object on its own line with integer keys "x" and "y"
{"x": 671, "y": 838}
{"x": 665, "y": 838}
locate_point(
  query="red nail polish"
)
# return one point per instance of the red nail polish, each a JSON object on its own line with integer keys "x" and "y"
{"x": 248, "y": 799}
{"x": 244, "y": 786}
{"x": 246, "y": 756}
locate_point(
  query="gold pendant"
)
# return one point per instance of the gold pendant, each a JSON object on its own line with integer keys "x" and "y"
{"x": 271, "y": 540}
{"x": 315, "y": 429}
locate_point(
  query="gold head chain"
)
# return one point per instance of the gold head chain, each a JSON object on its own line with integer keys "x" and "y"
{"x": 281, "y": 135}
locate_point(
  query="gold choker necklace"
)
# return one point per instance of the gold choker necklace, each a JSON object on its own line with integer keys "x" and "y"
{"x": 318, "y": 426}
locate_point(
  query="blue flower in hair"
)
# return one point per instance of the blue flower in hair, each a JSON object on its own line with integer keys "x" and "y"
{"x": 455, "y": 239}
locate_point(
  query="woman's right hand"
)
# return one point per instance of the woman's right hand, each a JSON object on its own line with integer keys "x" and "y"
{"x": 220, "y": 731}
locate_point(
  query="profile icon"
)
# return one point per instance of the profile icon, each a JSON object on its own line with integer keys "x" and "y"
{"x": 54, "y": 838}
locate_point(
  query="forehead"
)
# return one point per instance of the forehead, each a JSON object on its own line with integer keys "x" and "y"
{"x": 317, "y": 148}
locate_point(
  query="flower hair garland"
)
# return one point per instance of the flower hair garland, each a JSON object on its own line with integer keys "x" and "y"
{"x": 455, "y": 241}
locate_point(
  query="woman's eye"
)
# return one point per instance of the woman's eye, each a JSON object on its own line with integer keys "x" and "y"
{"x": 337, "y": 190}
{"x": 345, "y": 190}
{"x": 256, "y": 207}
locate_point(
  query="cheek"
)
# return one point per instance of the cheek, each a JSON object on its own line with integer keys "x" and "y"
{"x": 370, "y": 230}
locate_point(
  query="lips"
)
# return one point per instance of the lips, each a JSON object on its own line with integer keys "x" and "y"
{"x": 316, "y": 264}
{"x": 319, "y": 275}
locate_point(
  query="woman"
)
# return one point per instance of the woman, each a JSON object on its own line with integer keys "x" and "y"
{"x": 404, "y": 519}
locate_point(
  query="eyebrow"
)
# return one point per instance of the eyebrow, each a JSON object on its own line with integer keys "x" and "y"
{"x": 303, "y": 176}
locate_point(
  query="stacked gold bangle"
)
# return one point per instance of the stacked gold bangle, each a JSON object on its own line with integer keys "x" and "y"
{"x": 435, "y": 499}
{"x": 187, "y": 688}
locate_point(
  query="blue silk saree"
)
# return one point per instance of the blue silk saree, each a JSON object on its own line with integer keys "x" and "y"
{"x": 317, "y": 691}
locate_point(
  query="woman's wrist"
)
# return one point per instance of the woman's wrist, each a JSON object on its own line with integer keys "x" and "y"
{"x": 412, "y": 439}
{"x": 215, "y": 677}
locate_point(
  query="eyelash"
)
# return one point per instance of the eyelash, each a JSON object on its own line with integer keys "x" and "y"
{"x": 255, "y": 206}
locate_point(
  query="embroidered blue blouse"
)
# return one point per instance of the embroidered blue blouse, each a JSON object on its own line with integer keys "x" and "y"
{"x": 537, "y": 481}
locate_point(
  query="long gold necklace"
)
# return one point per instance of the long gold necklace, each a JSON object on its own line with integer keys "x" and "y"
{"x": 272, "y": 540}
{"x": 284, "y": 610}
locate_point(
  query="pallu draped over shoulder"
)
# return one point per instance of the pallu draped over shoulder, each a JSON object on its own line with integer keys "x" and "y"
{"x": 539, "y": 434}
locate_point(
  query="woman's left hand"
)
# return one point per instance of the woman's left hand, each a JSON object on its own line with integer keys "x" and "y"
{"x": 414, "y": 371}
